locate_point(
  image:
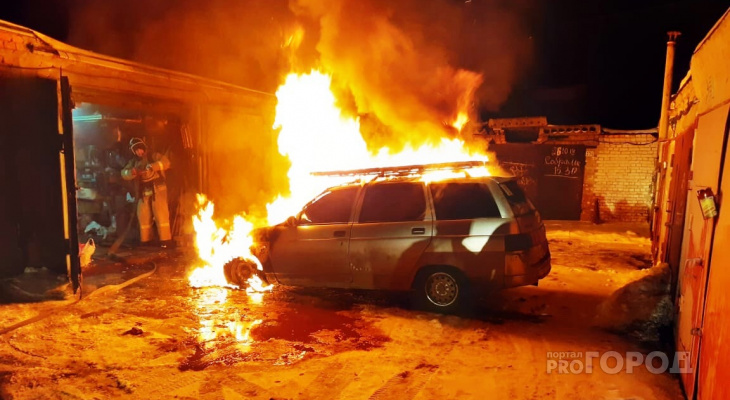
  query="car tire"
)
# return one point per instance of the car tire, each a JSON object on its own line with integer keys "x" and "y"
{"x": 239, "y": 270}
{"x": 441, "y": 289}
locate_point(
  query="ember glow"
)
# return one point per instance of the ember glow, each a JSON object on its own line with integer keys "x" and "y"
{"x": 316, "y": 136}
{"x": 216, "y": 246}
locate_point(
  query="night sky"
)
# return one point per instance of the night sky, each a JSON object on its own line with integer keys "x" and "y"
{"x": 594, "y": 61}
{"x": 603, "y": 61}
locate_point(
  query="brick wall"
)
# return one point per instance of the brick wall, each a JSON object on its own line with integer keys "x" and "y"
{"x": 618, "y": 171}
{"x": 618, "y": 174}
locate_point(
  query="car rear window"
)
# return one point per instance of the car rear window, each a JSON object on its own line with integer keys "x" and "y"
{"x": 462, "y": 200}
{"x": 331, "y": 207}
{"x": 393, "y": 202}
{"x": 517, "y": 198}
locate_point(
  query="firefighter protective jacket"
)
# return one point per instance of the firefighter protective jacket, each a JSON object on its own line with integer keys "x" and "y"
{"x": 150, "y": 170}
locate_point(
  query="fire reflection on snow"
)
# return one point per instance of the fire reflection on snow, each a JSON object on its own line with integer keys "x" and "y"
{"x": 217, "y": 322}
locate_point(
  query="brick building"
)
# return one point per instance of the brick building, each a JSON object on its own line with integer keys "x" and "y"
{"x": 629, "y": 156}
{"x": 528, "y": 147}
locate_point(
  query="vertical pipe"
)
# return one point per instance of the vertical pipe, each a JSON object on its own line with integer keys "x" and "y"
{"x": 658, "y": 214}
{"x": 667, "y": 92}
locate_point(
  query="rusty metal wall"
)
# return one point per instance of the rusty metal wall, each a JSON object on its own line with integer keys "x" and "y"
{"x": 702, "y": 303}
{"x": 714, "y": 369}
{"x": 681, "y": 164}
{"x": 698, "y": 237}
{"x": 33, "y": 224}
{"x": 658, "y": 231}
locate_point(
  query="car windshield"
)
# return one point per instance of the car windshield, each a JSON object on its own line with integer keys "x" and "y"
{"x": 331, "y": 207}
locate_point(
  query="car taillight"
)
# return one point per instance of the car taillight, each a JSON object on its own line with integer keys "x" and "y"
{"x": 519, "y": 242}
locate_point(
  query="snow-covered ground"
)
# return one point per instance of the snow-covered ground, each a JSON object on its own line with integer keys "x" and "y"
{"x": 158, "y": 338}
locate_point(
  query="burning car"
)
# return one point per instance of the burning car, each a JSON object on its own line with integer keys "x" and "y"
{"x": 442, "y": 237}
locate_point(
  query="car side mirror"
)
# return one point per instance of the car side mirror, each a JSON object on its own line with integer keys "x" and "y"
{"x": 291, "y": 221}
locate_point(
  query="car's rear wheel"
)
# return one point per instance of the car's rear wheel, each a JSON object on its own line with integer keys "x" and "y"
{"x": 441, "y": 289}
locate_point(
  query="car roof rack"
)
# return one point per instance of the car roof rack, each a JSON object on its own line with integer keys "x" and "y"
{"x": 404, "y": 170}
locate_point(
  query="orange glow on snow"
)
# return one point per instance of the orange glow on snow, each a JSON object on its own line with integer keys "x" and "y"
{"x": 212, "y": 305}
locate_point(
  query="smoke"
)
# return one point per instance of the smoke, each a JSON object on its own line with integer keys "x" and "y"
{"x": 239, "y": 42}
{"x": 404, "y": 62}
{"x": 409, "y": 67}
{"x": 406, "y": 68}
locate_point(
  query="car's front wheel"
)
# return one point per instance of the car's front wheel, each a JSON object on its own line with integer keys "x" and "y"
{"x": 441, "y": 289}
{"x": 238, "y": 271}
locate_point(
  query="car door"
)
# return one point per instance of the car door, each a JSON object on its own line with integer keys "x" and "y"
{"x": 469, "y": 230}
{"x": 313, "y": 252}
{"x": 393, "y": 229}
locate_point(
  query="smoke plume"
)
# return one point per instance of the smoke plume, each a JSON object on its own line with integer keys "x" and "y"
{"x": 409, "y": 67}
{"x": 406, "y": 68}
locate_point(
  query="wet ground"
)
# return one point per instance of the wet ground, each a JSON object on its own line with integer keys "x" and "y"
{"x": 158, "y": 338}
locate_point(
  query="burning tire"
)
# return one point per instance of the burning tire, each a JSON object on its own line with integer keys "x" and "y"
{"x": 240, "y": 270}
{"x": 441, "y": 289}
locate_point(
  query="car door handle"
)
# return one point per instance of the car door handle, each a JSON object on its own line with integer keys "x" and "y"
{"x": 418, "y": 231}
{"x": 339, "y": 234}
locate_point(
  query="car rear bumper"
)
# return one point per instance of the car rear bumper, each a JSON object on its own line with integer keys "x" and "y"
{"x": 533, "y": 273}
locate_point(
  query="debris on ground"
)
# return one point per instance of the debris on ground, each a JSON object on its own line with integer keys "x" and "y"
{"x": 135, "y": 331}
{"x": 642, "y": 308}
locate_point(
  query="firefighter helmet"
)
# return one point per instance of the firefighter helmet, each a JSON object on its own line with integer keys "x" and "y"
{"x": 136, "y": 142}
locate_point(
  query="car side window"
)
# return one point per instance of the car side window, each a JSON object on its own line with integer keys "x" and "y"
{"x": 331, "y": 207}
{"x": 393, "y": 202}
{"x": 463, "y": 200}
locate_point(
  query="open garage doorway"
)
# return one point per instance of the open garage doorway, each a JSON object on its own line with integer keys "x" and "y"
{"x": 107, "y": 203}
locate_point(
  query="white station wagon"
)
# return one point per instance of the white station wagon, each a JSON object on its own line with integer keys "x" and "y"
{"x": 442, "y": 240}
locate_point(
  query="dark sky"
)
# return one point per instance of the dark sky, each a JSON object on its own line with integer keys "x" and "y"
{"x": 603, "y": 61}
{"x": 594, "y": 61}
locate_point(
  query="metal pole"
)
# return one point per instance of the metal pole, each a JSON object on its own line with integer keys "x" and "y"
{"x": 667, "y": 92}
{"x": 658, "y": 216}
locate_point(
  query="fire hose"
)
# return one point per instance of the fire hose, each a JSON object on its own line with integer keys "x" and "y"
{"x": 120, "y": 239}
{"x": 96, "y": 293}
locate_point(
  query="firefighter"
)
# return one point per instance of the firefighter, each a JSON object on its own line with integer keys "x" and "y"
{"x": 148, "y": 169}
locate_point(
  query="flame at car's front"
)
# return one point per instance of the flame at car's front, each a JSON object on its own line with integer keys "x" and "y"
{"x": 216, "y": 246}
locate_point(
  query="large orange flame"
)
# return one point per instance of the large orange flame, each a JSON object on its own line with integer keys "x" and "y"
{"x": 316, "y": 136}
{"x": 216, "y": 246}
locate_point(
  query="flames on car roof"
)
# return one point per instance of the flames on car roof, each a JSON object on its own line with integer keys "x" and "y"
{"x": 405, "y": 170}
